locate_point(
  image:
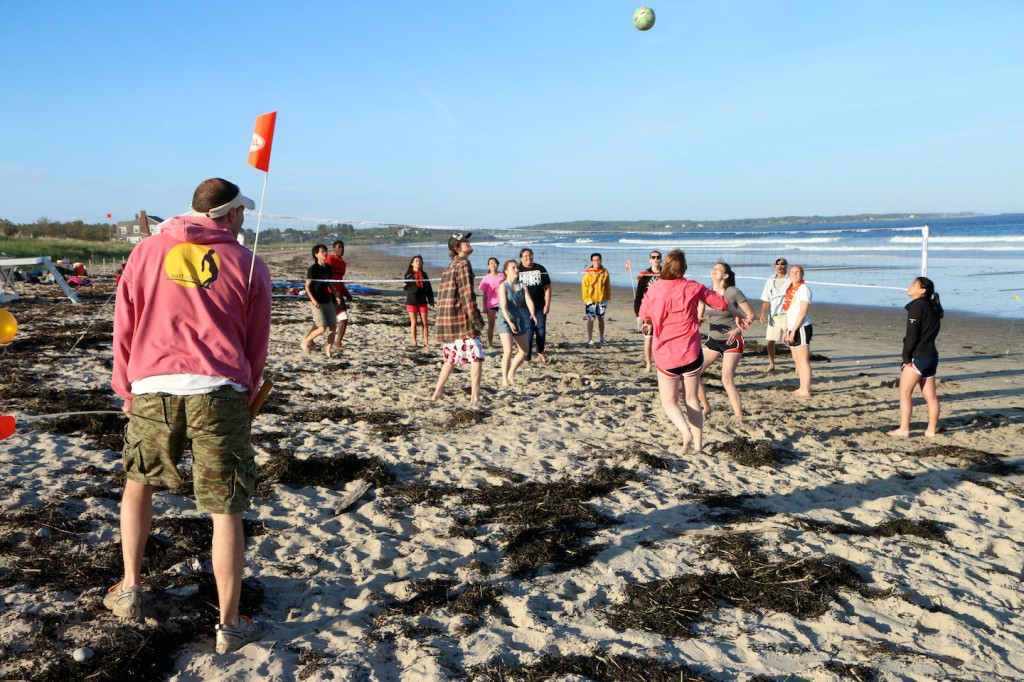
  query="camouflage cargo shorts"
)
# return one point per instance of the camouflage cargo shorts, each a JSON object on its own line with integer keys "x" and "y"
{"x": 217, "y": 423}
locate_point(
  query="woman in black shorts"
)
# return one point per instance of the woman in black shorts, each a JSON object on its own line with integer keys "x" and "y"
{"x": 920, "y": 356}
{"x": 724, "y": 339}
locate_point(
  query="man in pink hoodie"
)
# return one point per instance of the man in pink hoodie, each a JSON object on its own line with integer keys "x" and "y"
{"x": 190, "y": 344}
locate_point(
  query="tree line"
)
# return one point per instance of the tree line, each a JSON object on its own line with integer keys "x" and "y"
{"x": 44, "y": 228}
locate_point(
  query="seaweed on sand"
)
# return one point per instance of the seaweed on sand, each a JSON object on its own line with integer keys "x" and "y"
{"x": 105, "y": 430}
{"x": 635, "y": 452}
{"x": 310, "y": 661}
{"x": 60, "y": 559}
{"x": 420, "y": 493}
{"x": 803, "y": 587}
{"x": 547, "y": 524}
{"x": 182, "y": 613}
{"x": 331, "y": 413}
{"x": 730, "y": 508}
{"x": 968, "y": 458}
{"x": 34, "y": 399}
{"x": 462, "y": 418}
{"x": 179, "y": 602}
{"x": 386, "y": 425}
{"x": 751, "y": 453}
{"x": 596, "y": 666}
{"x": 334, "y": 472}
{"x": 929, "y": 530}
{"x": 852, "y": 671}
{"x": 40, "y": 546}
{"x": 177, "y": 539}
{"x": 472, "y": 601}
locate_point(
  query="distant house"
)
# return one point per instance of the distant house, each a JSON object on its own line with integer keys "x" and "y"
{"x": 134, "y": 231}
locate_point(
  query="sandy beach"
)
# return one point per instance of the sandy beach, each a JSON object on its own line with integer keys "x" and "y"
{"x": 554, "y": 533}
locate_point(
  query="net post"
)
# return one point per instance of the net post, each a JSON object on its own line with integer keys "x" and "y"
{"x": 924, "y": 249}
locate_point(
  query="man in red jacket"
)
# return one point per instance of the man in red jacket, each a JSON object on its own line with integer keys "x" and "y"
{"x": 336, "y": 259}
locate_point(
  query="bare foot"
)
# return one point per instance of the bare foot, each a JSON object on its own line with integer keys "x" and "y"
{"x": 543, "y": 358}
{"x": 801, "y": 394}
{"x": 435, "y": 398}
{"x": 305, "y": 350}
{"x": 647, "y": 368}
{"x": 328, "y": 352}
{"x": 930, "y": 434}
{"x": 706, "y": 410}
{"x": 899, "y": 433}
{"x": 771, "y": 368}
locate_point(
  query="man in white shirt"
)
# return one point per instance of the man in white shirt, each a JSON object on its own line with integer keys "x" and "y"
{"x": 772, "y": 296}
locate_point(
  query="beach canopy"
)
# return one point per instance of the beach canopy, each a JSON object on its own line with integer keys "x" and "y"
{"x": 8, "y": 291}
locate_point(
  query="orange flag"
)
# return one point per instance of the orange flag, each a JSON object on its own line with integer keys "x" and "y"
{"x": 262, "y": 140}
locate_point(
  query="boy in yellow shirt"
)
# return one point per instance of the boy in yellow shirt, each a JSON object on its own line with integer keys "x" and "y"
{"x": 597, "y": 291}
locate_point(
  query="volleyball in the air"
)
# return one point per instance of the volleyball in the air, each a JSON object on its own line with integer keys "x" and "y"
{"x": 643, "y": 18}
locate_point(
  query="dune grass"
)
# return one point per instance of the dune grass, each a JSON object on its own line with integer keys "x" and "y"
{"x": 73, "y": 249}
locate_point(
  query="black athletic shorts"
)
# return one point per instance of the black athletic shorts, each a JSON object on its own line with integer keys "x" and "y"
{"x": 687, "y": 369}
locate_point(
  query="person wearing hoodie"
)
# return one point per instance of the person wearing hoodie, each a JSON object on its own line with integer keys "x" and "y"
{"x": 191, "y": 327}
{"x": 597, "y": 291}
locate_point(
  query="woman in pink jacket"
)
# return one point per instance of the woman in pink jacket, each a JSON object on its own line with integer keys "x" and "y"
{"x": 669, "y": 310}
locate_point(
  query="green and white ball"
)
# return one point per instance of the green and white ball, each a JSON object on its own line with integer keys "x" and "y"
{"x": 643, "y": 18}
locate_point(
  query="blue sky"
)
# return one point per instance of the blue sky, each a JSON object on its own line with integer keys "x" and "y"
{"x": 501, "y": 114}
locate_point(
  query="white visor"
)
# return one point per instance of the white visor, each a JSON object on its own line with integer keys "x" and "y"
{"x": 221, "y": 211}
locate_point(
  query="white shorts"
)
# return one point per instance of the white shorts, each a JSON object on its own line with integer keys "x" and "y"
{"x": 462, "y": 351}
{"x": 776, "y": 329}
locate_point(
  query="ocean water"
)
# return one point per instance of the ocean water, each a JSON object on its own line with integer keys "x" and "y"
{"x": 977, "y": 263}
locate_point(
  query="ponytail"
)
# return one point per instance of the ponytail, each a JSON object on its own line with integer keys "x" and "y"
{"x": 930, "y": 295}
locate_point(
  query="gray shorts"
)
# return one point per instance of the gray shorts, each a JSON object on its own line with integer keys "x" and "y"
{"x": 776, "y": 330}
{"x": 325, "y": 315}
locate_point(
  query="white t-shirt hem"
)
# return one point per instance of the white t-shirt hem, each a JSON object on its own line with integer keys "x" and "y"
{"x": 183, "y": 384}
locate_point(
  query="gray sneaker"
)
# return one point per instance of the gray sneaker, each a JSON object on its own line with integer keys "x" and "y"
{"x": 234, "y": 638}
{"x": 125, "y": 603}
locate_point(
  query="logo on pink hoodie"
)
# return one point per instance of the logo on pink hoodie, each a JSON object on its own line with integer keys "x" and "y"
{"x": 192, "y": 265}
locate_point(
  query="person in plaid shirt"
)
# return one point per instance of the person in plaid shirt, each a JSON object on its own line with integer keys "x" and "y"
{"x": 459, "y": 322}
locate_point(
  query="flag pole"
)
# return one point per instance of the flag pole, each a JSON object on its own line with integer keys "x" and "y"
{"x": 259, "y": 219}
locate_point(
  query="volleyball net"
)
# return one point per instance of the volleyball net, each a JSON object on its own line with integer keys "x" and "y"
{"x": 852, "y": 261}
